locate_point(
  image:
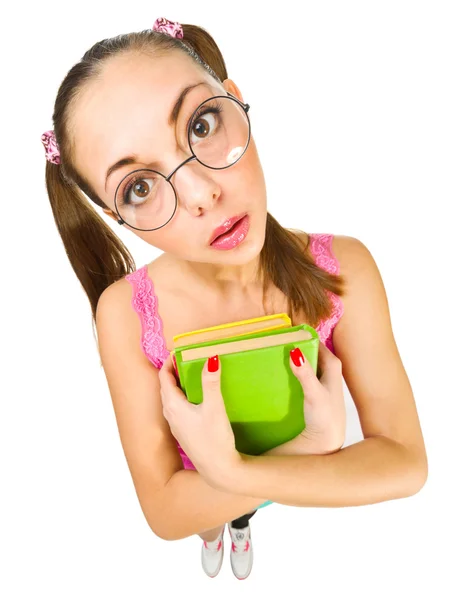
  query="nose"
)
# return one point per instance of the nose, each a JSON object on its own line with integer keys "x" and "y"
{"x": 195, "y": 188}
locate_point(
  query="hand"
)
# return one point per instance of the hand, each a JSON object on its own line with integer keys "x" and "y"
{"x": 203, "y": 430}
{"x": 324, "y": 405}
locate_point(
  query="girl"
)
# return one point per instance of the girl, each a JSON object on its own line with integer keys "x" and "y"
{"x": 149, "y": 126}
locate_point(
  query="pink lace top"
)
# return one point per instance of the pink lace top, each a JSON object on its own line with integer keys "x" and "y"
{"x": 145, "y": 303}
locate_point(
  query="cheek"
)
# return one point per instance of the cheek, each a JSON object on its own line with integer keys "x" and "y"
{"x": 251, "y": 171}
{"x": 168, "y": 238}
{"x": 247, "y": 181}
{"x": 250, "y": 159}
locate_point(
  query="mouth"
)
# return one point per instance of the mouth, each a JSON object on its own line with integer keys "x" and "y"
{"x": 227, "y": 227}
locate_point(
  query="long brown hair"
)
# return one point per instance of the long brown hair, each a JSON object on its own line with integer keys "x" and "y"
{"x": 97, "y": 255}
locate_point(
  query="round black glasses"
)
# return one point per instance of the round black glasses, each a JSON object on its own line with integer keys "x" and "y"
{"x": 219, "y": 132}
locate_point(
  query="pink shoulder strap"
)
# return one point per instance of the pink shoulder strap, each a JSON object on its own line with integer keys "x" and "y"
{"x": 321, "y": 250}
{"x": 145, "y": 303}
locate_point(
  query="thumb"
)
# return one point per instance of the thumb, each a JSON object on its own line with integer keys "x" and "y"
{"x": 211, "y": 379}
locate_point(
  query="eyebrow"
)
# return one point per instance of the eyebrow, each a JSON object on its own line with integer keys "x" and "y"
{"x": 173, "y": 118}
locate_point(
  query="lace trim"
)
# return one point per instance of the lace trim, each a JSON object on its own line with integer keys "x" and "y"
{"x": 145, "y": 303}
{"x": 321, "y": 250}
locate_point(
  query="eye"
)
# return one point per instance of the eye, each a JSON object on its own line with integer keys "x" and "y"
{"x": 203, "y": 126}
{"x": 138, "y": 190}
{"x": 206, "y": 122}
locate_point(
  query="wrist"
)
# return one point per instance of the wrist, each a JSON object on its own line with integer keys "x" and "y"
{"x": 225, "y": 477}
{"x": 301, "y": 444}
{"x": 322, "y": 444}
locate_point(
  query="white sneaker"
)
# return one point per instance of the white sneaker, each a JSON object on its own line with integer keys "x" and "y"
{"x": 212, "y": 555}
{"x": 241, "y": 551}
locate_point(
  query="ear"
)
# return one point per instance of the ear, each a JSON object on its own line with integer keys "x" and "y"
{"x": 232, "y": 88}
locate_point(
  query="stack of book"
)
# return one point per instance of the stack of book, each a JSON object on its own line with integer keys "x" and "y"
{"x": 262, "y": 397}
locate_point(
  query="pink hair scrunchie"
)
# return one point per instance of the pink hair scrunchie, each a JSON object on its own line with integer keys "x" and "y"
{"x": 169, "y": 27}
{"x": 51, "y": 147}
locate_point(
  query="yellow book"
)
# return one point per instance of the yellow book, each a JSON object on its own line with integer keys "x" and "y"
{"x": 227, "y": 330}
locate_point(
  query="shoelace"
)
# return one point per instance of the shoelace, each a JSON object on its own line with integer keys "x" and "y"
{"x": 213, "y": 546}
{"x": 240, "y": 545}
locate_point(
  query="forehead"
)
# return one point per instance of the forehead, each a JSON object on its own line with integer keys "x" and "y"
{"x": 126, "y": 107}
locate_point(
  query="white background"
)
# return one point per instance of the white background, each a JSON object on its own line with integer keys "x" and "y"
{"x": 356, "y": 112}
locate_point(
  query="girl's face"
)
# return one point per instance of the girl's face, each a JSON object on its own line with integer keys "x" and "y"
{"x": 125, "y": 113}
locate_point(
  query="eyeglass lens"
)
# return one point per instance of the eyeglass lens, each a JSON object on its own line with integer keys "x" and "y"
{"x": 219, "y": 134}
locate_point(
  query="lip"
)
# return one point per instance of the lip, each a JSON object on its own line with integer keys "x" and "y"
{"x": 226, "y": 226}
{"x": 234, "y": 237}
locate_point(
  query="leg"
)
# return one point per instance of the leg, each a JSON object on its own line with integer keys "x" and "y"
{"x": 210, "y": 535}
{"x": 243, "y": 521}
{"x": 212, "y": 550}
{"x": 241, "y": 547}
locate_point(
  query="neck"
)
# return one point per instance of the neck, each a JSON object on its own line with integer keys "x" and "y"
{"x": 226, "y": 279}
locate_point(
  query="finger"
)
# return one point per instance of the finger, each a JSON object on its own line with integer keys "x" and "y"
{"x": 303, "y": 370}
{"x": 167, "y": 373}
{"x": 170, "y": 392}
{"x": 211, "y": 380}
{"x": 174, "y": 405}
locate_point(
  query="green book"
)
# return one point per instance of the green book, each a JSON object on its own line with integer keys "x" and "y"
{"x": 263, "y": 398}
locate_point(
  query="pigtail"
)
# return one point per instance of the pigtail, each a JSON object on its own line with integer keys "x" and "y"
{"x": 96, "y": 254}
{"x": 286, "y": 262}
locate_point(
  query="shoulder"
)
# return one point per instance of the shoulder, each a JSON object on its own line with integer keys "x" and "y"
{"x": 365, "y": 299}
{"x": 359, "y": 271}
{"x": 115, "y": 306}
{"x": 351, "y": 254}
{"x": 119, "y": 294}
{"x": 116, "y": 301}
{"x": 127, "y": 317}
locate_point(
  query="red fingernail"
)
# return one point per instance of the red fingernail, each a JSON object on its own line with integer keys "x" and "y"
{"x": 297, "y": 357}
{"x": 213, "y": 364}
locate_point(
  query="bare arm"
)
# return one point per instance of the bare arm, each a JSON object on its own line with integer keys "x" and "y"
{"x": 190, "y": 505}
{"x": 391, "y": 461}
{"x": 373, "y": 470}
{"x": 175, "y": 502}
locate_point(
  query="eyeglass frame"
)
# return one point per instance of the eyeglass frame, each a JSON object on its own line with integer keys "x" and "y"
{"x": 243, "y": 105}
